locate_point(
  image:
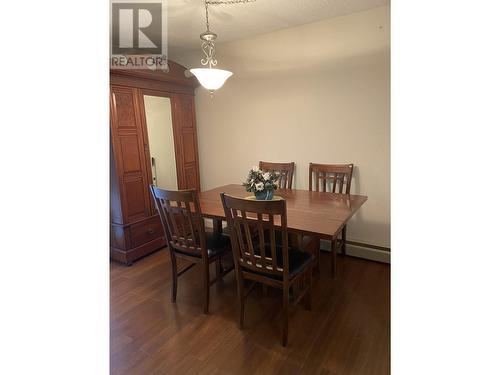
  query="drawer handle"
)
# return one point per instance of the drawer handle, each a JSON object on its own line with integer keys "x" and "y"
{"x": 151, "y": 230}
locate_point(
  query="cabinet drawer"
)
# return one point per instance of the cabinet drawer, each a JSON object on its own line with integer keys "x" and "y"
{"x": 145, "y": 231}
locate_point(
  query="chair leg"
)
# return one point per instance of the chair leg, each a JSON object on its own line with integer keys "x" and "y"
{"x": 173, "y": 296}
{"x": 309, "y": 293}
{"x": 265, "y": 290}
{"x": 206, "y": 285}
{"x": 344, "y": 239}
{"x": 313, "y": 247}
{"x": 334, "y": 257}
{"x": 284, "y": 337}
{"x": 241, "y": 300}
{"x": 218, "y": 269}
{"x": 317, "y": 246}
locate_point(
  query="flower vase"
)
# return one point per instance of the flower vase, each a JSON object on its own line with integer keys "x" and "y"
{"x": 264, "y": 195}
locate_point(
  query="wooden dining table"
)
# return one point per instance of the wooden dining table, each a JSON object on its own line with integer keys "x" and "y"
{"x": 311, "y": 213}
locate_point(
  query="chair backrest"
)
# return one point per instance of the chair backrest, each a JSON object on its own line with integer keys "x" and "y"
{"x": 284, "y": 170}
{"x": 249, "y": 222}
{"x": 181, "y": 218}
{"x": 334, "y": 178}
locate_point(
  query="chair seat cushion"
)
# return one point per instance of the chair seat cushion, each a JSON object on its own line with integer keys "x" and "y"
{"x": 298, "y": 261}
{"x": 216, "y": 243}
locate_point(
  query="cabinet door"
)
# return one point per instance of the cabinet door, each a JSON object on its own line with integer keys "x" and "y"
{"x": 186, "y": 142}
{"x": 128, "y": 147}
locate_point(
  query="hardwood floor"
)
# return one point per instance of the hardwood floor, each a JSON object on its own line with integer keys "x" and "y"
{"x": 347, "y": 331}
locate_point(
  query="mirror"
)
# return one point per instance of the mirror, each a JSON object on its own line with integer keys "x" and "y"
{"x": 161, "y": 141}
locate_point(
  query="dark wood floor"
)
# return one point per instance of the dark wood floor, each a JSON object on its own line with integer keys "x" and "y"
{"x": 347, "y": 331}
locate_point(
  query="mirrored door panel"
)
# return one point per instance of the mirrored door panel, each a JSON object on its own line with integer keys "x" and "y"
{"x": 158, "y": 113}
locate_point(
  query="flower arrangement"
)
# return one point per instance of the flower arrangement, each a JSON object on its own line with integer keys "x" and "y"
{"x": 261, "y": 183}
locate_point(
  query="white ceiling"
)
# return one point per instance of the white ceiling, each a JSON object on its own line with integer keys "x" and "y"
{"x": 186, "y": 18}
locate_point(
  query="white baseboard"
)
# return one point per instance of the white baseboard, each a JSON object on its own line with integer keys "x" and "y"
{"x": 362, "y": 252}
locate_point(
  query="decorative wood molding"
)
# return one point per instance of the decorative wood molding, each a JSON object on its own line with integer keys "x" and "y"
{"x": 156, "y": 79}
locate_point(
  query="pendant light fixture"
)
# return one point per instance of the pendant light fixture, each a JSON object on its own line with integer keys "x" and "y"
{"x": 212, "y": 78}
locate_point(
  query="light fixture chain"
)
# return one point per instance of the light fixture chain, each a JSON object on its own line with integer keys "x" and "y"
{"x": 228, "y": 2}
{"x": 206, "y": 15}
{"x": 222, "y": 2}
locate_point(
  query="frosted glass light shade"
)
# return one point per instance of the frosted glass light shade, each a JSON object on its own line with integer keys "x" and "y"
{"x": 211, "y": 79}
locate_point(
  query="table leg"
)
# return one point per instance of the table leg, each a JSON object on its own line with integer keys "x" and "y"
{"x": 344, "y": 239}
{"x": 295, "y": 240}
{"x": 334, "y": 256}
{"x": 312, "y": 245}
{"x": 217, "y": 225}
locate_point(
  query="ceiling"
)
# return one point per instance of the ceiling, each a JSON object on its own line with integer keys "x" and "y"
{"x": 186, "y": 18}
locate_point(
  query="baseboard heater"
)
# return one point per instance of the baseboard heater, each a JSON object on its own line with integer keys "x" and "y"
{"x": 355, "y": 249}
{"x": 363, "y": 250}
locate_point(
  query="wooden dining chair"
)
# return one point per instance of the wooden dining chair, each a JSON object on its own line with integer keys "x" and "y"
{"x": 186, "y": 237}
{"x": 333, "y": 178}
{"x": 260, "y": 259}
{"x": 284, "y": 170}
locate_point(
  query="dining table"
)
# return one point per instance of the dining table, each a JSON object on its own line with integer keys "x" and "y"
{"x": 316, "y": 214}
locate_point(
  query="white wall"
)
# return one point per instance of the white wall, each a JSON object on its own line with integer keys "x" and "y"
{"x": 314, "y": 93}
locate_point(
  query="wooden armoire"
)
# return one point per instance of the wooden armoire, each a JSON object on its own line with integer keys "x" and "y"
{"x": 135, "y": 225}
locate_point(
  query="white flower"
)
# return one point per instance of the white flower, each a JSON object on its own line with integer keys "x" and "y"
{"x": 255, "y": 168}
{"x": 259, "y": 186}
{"x": 266, "y": 176}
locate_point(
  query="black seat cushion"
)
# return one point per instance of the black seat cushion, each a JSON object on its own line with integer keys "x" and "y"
{"x": 216, "y": 243}
{"x": 297, "y": 260}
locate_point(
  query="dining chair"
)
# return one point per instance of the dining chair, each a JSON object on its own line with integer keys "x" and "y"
{"x": 284, "y": 170}
{"x": 285, "y": 181}
{"x": 333, "y": 178}
{"x": 262, "y": 260}
{"x": 187, "y": 239}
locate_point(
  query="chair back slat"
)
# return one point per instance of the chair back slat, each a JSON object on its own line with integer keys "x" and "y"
{"x": 284, "y": 171}
{"x": 181, "y": 219}
{"x": 249, "y": 222}
{"x": 341, "y": 184}
{"x": 240, "y": 239}
{"x": 272, "y": 239}
{"x": 248, "y": 237}
{"x": 336, "y": 176}
{"x": 260, "y": 228}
